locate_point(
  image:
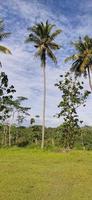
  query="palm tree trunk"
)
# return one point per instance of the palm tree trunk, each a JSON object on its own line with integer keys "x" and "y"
{"x": 82, "y": 140}
{"x": 5, "y": 136}
{"x": 44, "y": 106}
{"x": 90, "y": 83}
{"x": 9, "y": 135}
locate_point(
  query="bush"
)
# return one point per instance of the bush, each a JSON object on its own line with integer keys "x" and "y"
{"x": 22, "y": 142}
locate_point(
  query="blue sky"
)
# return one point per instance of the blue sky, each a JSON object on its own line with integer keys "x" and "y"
{"x": 74, "y": 18}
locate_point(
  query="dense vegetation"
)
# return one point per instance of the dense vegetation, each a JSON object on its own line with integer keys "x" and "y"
{"x": 54, "y": 137}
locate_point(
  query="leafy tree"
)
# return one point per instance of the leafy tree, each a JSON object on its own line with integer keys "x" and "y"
{"x": 44, "y": 41}
{"x": 6, "y": 96}
{"x": 86, "y": 139}
{"x": 6, "y": 100}
{"x": 36, "y": 134}
{"x": 17, "y": 111}
{"x": 73, "y": 96}
{"x": 82, "y": 60}
{"x": 22, "y": 111}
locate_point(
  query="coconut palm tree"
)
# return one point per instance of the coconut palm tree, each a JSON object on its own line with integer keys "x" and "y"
{"x": 3, "y": 35}
{"x": 82, "y": 60}
{"x": 44, "y": 41}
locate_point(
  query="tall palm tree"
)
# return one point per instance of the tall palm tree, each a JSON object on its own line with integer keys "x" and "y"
{"x": 82, "y": 61}
{"x": 44, "y": 41}
{"x": 3, "y": 35}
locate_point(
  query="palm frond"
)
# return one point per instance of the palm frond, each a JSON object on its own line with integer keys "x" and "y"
{"x": 77, "y": 70}
{"x": 73, "y": 57}
{"x": 55, "y": 34}
{"x": 79, "y": 45}
{"x": 4, "y": 35}
{"x": 33, "y": 38}
{"x": 84, "y": 64}
{"x": 39, "y": 52}
{"x": 51, "y": 55}
{"x": 88, "y": 42}
{"x": 54, "y": 46}
{"x": 5, "y": 50}
{"x": 41, "y": 29}
{"x": 1, "y": 25}
{"x": 34, "y": 30}
{"x": 48, "y": 27}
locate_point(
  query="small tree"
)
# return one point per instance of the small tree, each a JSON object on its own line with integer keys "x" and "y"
{"x": 22, "y": 111}
{"x": 16, "y": 112}
{"x": 6, "y": 96}
{"x": 73, "y": 96}
{"x": 6, "y": 99}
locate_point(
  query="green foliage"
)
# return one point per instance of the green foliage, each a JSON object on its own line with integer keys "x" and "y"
{"x": 6, "y": 96}
{"x": 43, "y": 38}
{"x": 2, "y": 33}
{"x": 17, "y": 108}
{"x": 73, "y": 96}
{"x": 54, "y": 137}
{"x": 82, "y": 60}
{"x": 84, "y": 141}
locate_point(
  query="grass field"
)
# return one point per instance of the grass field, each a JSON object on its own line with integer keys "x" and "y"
{"x": 27, "y": 174}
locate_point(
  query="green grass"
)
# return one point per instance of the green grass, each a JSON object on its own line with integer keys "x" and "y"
{"x": 27, "y": 174}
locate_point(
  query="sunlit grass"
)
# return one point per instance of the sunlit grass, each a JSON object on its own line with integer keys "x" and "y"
{"x": 27, "y": 174}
